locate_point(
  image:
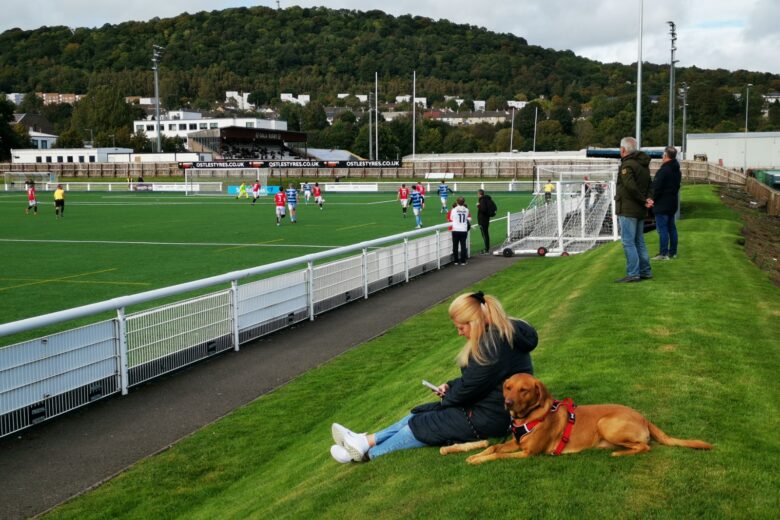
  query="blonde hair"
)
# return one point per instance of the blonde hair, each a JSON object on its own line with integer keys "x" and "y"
{"x": 481, "y": 312}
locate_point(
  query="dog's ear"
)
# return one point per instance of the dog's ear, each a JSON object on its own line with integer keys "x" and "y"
{"x": 541, "y": 392}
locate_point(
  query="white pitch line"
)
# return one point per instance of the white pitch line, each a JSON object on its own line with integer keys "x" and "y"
{"x": 198, "y": 244}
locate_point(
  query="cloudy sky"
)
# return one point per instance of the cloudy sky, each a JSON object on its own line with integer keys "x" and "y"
{"x": 743, "y": 34}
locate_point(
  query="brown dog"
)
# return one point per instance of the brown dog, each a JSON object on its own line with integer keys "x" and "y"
{"x": 595, "y": 426}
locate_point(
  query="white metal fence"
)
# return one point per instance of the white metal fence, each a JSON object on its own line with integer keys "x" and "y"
{"x": 50, "y": 375}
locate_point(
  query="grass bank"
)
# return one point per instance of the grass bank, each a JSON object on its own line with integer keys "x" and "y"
{"x": 695, "y": 350}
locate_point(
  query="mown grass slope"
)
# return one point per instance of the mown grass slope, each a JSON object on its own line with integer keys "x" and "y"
{"x": 695, "y": 350}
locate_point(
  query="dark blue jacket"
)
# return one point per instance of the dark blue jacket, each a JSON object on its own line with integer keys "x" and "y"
{"x": 666, "y": 186}
{"x": 473, "y": 408}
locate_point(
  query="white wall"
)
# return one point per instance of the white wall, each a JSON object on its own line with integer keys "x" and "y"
{"x": 763, "y": 149}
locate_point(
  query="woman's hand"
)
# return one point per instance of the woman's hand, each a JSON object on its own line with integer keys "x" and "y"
{"x": 443, "y": 388}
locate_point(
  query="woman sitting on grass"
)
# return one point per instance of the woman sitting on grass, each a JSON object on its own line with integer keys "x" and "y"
{"x": 471, "y": 406}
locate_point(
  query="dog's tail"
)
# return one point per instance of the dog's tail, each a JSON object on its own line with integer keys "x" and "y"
{"x": 660, "y": 436}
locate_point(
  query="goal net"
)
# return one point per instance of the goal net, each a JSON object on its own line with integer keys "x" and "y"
{"x": 17, "y": 181}
{"x": 221, "y": 181}
{"x": 572, "y": 210}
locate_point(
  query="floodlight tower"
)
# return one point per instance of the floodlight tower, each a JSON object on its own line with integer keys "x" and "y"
{"x": 157, "y": 52}
{"x": 684, "y": 90}
{"x": 747, "y": 104}
{"x": 673, "y": 35}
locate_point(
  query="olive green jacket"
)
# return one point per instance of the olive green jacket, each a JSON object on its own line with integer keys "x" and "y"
{"x": 634, "y": 186}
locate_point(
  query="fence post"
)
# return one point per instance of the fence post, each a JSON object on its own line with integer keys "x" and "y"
{"x": 124, "y": 379}
{"x": 438, "y": 250}
{"x": 310, "y": 274}
{"x": 234, "y": 306}
{"x": 365, "y": 273}
{"x": 406, "y": 260}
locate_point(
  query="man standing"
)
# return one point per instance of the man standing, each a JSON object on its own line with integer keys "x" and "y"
{"x": 666, "y": 186}
{"x": 486, "y": 209}
{"x": 418, "y": 203}
{"x": 403, "y": 196}
{"x": 631, "y": 203}
{"x": 292, "y": 201}
{"x": 241, "y": 190}
{"x": 549, "y": 188}
{"x": 444, "y": 192}
{"x": 279, "y": 201}
{"x": 32, "y": 202}
{"x": 306, "y": 192}
{"x": 59, "y": 201}
{"x": 460, "y": 218}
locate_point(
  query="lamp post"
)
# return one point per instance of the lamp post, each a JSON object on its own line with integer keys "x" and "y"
{"x": 91, "y": 139}
{"x": 512, "y": 131}
{"x": 685, "y": 112}
{"x": 113, "y": 140}
{"x": 747, "y": 104}
{"x": 157, "y": 52}
{"x": 639, "y": 81}
{"x": 536, "y": 117}
{"x": 671, "y": 83}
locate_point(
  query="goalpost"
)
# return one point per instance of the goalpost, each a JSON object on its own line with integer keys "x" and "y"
{"x": 574, "y": 217}
{"x": 217, "y": 181}
{"x": 17, "y": 181}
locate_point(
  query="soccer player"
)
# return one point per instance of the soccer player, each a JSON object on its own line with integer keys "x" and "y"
{"x": 403, "y": 196}
{"x": 421, "y": 190}
{"x": 549, "y": 188}
{"x": 318, "y": 195}
{"x": 242, "y": 191}
{"x": 461, "y": 223}
{"x": 31, "y": 200}
{"x": 292, "y": 201}
{"x": 444, "y": 191}
{"x": 59, "y": 201}
{"x": 418, "y": 203}
{"x": 280, "y": 199}
{"x": 306, "y": 192}
{"x": 255, "y": 192}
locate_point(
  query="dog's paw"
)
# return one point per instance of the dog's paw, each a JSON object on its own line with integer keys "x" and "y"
{"x": 475, "y": 459}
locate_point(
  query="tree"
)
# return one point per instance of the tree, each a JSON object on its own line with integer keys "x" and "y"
{"x": 31, "y": 104}
{"x": 70, "y": 139}
{"x": 9, "y": 139}
{"x": 313, "y": 117}
{"x": 502, "y": 140}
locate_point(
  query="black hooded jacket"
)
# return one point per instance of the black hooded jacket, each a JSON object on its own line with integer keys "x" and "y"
{"x": 666, "y": 185}
{"x": 473, "y": 408}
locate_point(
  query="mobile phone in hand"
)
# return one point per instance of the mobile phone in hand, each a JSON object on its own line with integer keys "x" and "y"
{"x": 430, "y": 385}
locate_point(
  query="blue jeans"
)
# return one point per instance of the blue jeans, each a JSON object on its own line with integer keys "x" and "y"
{"x": 667, "y": 233}
{"x": 633, "y": 239}
{"x": 393, "y": 438}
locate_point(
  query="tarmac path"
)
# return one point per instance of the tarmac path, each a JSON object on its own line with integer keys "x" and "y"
{"x": 49, "y": 463}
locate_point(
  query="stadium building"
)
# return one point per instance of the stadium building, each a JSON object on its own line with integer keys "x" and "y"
{"x": 236, "y": 142}
{"x": 181, "y": 123}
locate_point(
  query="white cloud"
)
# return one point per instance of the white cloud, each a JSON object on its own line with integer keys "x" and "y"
{"x": 711, "y": 33}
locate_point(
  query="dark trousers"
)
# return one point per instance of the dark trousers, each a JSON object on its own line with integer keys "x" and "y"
{"x": 667, "y": 234}
{"x": 459, "y": 242}
{"x": 484, "y": 228}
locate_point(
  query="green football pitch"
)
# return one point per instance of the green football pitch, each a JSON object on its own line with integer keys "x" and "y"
{"x": 111, "y": 244}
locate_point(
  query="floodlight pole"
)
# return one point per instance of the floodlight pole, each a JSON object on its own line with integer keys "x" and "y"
{"x": 370, "y": 129}
{"x": 747, "y": 104}
{"x": 673, "y": 34}
{"x": 376, "y": 117}
{"x": 536, "y": 116}
{"x": 414, "y": 111}
{"x": 512, "y": 131}
{"x": 685, "y": 113}
{"x": 639, "y": 82}
{"x": 157, "y": 51}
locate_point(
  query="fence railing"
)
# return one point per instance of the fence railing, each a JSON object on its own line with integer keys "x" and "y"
{"x": 764, "y": 193}
{"x": 53, "y": 374}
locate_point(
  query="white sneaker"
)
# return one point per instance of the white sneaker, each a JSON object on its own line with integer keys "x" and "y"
{"x": 356, "y": 447}
{"x": 356, "y": 444}
{"x": 340, "y": 454}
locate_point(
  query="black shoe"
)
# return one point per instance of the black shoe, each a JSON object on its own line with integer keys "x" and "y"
{"x": 628, "y": 279}
{"x": 645, "y": 276}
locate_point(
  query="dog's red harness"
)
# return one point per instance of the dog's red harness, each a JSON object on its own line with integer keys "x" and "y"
{"x": 520, "y": 430}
